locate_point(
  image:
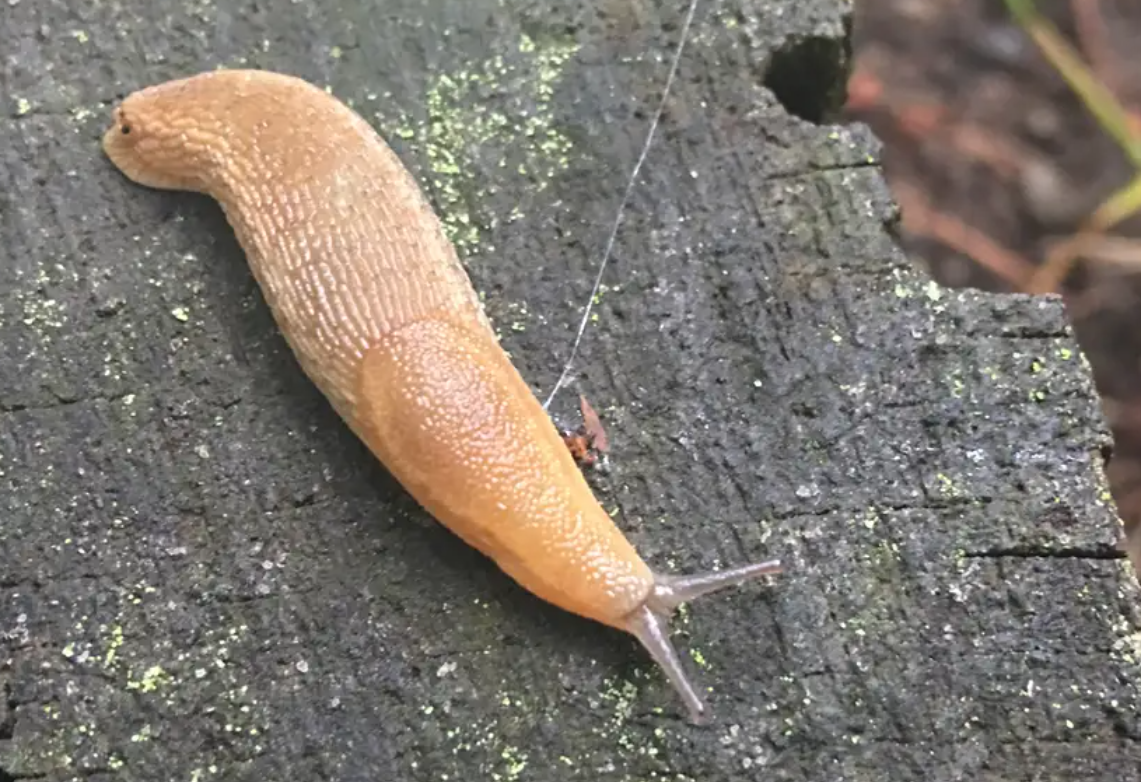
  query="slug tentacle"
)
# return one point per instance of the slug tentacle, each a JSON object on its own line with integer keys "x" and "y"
{"x": 672, "y": 591}
{"x": 648, "y": 623}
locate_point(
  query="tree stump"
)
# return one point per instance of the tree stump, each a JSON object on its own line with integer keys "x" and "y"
{"x": 204, "y": 576}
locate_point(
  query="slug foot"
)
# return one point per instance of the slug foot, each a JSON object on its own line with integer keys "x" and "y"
{"x": 649, "y": 623}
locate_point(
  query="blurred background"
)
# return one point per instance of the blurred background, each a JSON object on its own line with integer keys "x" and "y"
{"x": 1012, "y": 143}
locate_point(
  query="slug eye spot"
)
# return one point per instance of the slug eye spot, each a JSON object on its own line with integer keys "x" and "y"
{"x": 126, "y": 126}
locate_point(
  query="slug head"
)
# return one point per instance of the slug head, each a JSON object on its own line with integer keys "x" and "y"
{"x": 221, "y": 132}
{"x": 170, "y": 136}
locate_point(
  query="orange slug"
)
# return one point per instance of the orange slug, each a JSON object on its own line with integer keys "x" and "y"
{"x": 371, "y": 297}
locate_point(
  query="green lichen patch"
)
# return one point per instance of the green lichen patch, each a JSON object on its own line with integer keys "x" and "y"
{"x": 114, "y": 655}
{"x": 500, "y": 111}
{"x": 39, "y": 309}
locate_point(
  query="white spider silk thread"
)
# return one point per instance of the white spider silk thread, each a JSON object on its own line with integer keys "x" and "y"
{"x": 622, "y": 204}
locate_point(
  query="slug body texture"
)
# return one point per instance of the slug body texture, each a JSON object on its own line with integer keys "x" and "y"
{"x": 381, "y": 315}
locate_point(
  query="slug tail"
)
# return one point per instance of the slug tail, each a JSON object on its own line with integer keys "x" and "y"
{"x": 649, "y": 622}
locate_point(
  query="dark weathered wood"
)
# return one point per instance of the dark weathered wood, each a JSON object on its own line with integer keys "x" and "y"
{"x": 204, "y": 576}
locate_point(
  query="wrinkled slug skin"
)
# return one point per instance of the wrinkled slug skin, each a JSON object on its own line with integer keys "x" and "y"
{"x": 373, "y": 301}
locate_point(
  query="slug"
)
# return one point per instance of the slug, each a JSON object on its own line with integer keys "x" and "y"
{"x": 373, "y": 301}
